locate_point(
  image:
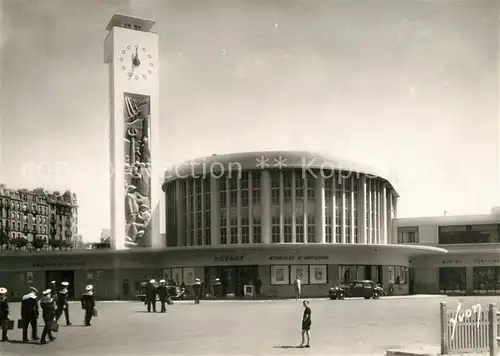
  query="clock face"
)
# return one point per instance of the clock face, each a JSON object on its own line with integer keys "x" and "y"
{"x": 136, "y": 62}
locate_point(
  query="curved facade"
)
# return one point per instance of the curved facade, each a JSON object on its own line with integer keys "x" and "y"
{"x": 277, "y": 198}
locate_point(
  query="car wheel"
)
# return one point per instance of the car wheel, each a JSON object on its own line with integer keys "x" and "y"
{"x": 341, "y": 296}
{"x": 332, "y": 297}
{"x": 375, "y": 295}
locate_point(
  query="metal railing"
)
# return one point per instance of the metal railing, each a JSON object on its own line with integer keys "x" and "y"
{"x": 475, "y": 330}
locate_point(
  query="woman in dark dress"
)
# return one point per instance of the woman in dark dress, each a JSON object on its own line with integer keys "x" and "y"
{"x": 306, "y": 324}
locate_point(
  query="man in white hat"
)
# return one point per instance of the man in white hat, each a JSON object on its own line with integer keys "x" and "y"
{"x": 88, "y": 304}
{"x": 48, "y": 315}
{"x": 162, "y": 292}
{"x": 4, "y": 313}
{"x": 151, "y": 295}
{"x": 53, "y": 288}
{"x": 197, "y": 290}
{"x": 29, "y": 313}
{"x": 62, "y": 303}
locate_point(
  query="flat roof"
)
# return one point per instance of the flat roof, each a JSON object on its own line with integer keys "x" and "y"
{"x": 119, "y": 19}
{"x": 269, "y": 160}
{"x": 449, "y": 220}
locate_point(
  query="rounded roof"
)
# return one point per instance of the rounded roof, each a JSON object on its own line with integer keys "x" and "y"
{"x": 245, "y": 161}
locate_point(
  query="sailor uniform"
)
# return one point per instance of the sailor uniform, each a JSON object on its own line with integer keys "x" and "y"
{"x": 29, "y": 314}
{"x": 48, "y": 315}
{"x": 4, "y": 313}
{"x": 62, "y": 303}
{"x": 88, "y": 304}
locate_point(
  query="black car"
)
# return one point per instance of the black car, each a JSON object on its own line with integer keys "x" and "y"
{"x": 174, "y": 292}
{"x": 366, "y": 289}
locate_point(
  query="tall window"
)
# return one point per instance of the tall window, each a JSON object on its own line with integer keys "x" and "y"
{"x": 244, "y": 183}
{"x": 368, "y": 198}
{"x": 287, "y": 187}
{"x": 275, "y": 188}
{"x": 257, "y": 232}
{"x": 223, "y": 228}
{"x": 288, "y": 230}
{"x": 311, "y": 230}
{"x": 311, "y": 182}
{"x": 299, "y": 186}
{"x": 223, "y": 189}
{"x": 328, "y": 229}
{"x": 347, "y": 207}
{"x": 208, "y": 208}
{"x": 256, "y": 187}
{"x": 355, "y": 201}
{"x": 245, "y": 231}
{"x": 234, "y": 231}
{"x": 338, "y": 208}
{"x": 199, "y": 211}
{"x": 299, "y": 229}
{"x": 275, "y": 230}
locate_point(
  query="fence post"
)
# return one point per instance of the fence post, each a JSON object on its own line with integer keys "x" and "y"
{"x": 492, "y": 329}
{"x": 444, "y": 329}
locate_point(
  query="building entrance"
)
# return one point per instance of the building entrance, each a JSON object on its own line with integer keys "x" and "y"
{"x": 60, "y": 276}
{"x": 232, "y": 278}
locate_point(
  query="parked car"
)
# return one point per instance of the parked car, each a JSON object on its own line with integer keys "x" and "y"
{"x": 366, "y": 289}
{"x": 174, "y": 292}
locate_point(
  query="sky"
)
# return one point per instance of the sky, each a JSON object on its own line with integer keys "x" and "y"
{"x": 408, "y": 86}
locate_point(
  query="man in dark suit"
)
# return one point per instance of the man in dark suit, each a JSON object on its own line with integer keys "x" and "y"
{"x": 151, "y": 295}
{"x": 48, "y": 315}
{"x": 162, "y": 292}
{"x": 29, "y": 314}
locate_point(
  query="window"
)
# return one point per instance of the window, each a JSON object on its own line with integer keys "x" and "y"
{"x": 328, "y": 229}
{"x": 466, "y": 234}
{"x": 311, "y": 230}
{"x": 256, "y": 187}
{"x": 245, "y": 232}
{"x": 234, "y": 231}
{"x": 452, "y": 279}
{"x": 288, "y": 230}
{"x": 408, "y": 234}
{"x": 275, "y": 230}
{"x": 299, "y": 186}
{"x": 486, "y": 279}
{"x": 311, "y": 183}
{"x": 223, "y": 235}
{"x": 299, "y": 229}
{"x": 257, "y": 234}
{"x": 275, "y": 188}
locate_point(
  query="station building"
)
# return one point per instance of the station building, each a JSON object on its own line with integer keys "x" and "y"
{"x": 275, "y": 216}
{"x": 471, "y": 265}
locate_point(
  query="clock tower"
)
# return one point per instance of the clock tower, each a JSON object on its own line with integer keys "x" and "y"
{"x": 131, "y": 52}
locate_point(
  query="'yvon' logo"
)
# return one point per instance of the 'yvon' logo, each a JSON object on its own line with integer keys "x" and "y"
{"x": 460, "y": 317}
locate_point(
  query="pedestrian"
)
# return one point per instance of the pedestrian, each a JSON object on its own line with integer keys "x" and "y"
{"x": 151, "y": 295}
{"x": 258, "y": 286}
{"x": 53, "y": 288}
{"x": 48, "y": 315}
{"x": 306, "y": 324}
{"x": 217, "y": 288}
{"x": 4, "y": 313}
{"x": 88, "y": 304}
{"x": 197, "y": 291}
{"x": 62, "y": 303}
{"x": 297, "y": 287}
{"x": 163, "y": 294}
{"x": 29, "y": 314}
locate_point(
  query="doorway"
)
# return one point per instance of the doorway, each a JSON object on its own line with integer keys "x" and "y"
{"x": 232, "y": 278}
{"x": 60, "y": 276}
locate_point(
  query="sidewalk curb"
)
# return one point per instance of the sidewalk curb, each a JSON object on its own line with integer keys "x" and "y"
{"x": 431, "y": 351}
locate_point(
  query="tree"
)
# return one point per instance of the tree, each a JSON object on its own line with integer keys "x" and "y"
{"x": 20, "y": 242}
{"x": 38, "y": 243}
{"x": 55, "y": 243}
{"x": 4, "y": 237}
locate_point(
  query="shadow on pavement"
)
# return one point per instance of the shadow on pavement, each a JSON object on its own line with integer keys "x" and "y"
{"x": 26, "y": 343}
{"x": 286, "y": 347}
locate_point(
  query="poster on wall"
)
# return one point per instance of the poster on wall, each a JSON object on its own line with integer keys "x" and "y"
{"x": 280, "y": 275}
{"x": 177, "y": 275}
{"x": 301, "y": 272}
{"x": 137, "y": 170}
{"x": 317, "y": 274}
{"x": 188, "y": 274}
{"x": 167, "y": 274}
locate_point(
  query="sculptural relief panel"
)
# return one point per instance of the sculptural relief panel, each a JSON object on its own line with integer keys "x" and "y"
{"x": 137, "y": 170}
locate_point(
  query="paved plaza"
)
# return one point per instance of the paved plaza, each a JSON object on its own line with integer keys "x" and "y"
{"x": 349, "y": 327}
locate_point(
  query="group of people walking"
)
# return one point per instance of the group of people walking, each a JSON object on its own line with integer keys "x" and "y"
{"x": 54, "y": 303}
